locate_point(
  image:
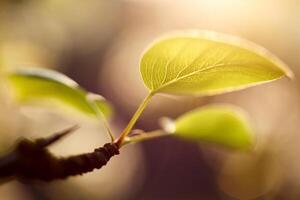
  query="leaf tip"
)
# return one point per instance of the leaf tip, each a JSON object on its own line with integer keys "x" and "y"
{"x": 101, "y": 103}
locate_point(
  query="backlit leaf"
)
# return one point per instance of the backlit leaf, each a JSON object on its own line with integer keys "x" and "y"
{"x": 221, "y": 124}
{"x": 207, "y": 63}
{"x": 41, "y": 86}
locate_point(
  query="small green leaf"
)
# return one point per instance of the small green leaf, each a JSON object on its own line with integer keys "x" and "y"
{"x": 221, "y": 124}
{"x": 43, "y": 86}
{"x": 207, "y": 63}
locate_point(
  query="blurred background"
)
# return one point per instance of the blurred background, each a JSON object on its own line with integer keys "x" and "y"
{"x": 98, "y": 43}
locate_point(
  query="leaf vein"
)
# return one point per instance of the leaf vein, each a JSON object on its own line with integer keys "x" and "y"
{"x": 197, "y": 72}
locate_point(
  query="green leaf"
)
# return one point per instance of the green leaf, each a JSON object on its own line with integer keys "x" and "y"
{"x": 221, "y": 124}
{"x": 43, "y": 86}
{"x": 101, "y": 104}
{"x": 207, "y": 63}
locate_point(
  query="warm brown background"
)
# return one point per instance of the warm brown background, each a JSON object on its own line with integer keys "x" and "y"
{"x": 98, "y": 43}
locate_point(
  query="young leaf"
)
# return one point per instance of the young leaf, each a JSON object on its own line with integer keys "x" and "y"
{"x": 207, "y": 63}
{"x": 221, "y": 124}
{"x": 48, "y": 87}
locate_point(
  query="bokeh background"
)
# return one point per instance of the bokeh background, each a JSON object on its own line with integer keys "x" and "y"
{"x": 98, "y": 43}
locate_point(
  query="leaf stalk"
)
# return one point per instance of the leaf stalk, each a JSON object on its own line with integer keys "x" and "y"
{"x": 133, "y": 120}
{"x": 145, "y": 136}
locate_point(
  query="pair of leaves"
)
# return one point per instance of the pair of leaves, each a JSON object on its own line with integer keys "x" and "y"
{"x": 203, "y": 63}
{"x": 43, "y": 86}
{"x": 207, "y": 63}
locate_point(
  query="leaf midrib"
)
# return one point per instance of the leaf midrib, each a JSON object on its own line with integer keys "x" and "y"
{"x": 194, "y": 73}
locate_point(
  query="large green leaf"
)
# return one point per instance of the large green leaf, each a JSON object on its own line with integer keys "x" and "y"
{"x": 221, "y": 124}
{"x": 43, "y": 86}
{"x": 207, "y": 63}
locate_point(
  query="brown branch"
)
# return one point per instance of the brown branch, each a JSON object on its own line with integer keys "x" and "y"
{"x": 31, "y": 160}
